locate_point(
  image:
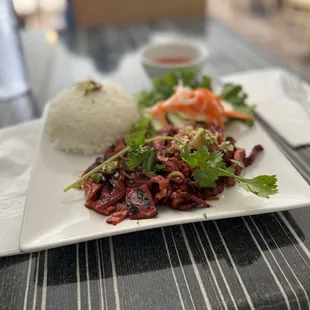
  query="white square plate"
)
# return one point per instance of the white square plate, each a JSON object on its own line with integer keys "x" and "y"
{"x": 52, "y": 218}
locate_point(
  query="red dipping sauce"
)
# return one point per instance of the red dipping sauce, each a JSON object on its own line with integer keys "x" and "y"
{"x": 172, "y": 60}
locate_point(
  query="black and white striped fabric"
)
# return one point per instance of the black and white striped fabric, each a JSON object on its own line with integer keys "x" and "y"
{"x": 256, "y": 262}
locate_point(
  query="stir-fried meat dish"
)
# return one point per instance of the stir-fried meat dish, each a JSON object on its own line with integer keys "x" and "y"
{"x": 119, "y": 192}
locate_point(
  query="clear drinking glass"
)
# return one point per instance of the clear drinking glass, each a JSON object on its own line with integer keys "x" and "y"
{"x": 13, "y": 77}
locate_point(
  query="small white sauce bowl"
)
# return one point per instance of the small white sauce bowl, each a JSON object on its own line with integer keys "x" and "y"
{"x": 153, "y": 68}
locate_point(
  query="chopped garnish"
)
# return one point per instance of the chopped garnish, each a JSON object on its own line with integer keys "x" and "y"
{"x": 158, "y": 168}
{"x": 226, "y": 146}
{"x": 96, "y": 178}
{"x": 109, "y": 168}
{"x": 89, "y": 86}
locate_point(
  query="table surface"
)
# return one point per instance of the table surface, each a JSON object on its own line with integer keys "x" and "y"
{"x": 255, "y": 262}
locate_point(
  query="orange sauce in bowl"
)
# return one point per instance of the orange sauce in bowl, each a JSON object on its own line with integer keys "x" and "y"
{"x": 172, "y": 60}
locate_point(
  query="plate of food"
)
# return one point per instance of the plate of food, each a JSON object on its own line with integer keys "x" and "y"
{"x": 109, "y": 163}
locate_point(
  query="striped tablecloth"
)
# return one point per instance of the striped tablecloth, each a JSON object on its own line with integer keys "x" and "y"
{"x": 256, "y": 262}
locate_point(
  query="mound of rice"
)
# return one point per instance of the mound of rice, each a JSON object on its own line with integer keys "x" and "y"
{"x": 90, "y": 123}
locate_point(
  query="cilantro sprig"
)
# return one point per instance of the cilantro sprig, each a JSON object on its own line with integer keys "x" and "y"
{"x": 210, "y": 168}
{"x": 135, "y": 146}
{"x": 140, "y": 154}
{"x": 262, "y": 185}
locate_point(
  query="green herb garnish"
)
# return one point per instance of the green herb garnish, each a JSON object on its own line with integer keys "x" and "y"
{"x": 142, "y": 155}
{"x": 235, "y": 96}
{"x": 136, "y": 140}
{"x": 96, "y": 178}
{"x": 210, "y": 168}
{"x": 149, "y": 161}
{"x": 163, "y": 87}
{"x": 133, "y": 141}
{"x": 143, "y": 123}
{"x": 89, "y": 86}
{"x": 158, "y": 168}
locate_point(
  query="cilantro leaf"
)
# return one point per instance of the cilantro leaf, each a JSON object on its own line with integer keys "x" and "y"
{"x": 206, "y": 82}
{"x": 135, "y": 159}
{"x": 262, "y": 185}
{"x": 216, "y": 160}
{"x": 235, "y": 95}
{"x": 158, "y": 168}
{"x": 203, "y": 178}
{"x": 210, "y": 168}
{"x": 197, "y": 158}
{"x": 202, "y": 154}
{"x": 188, "y": 157}
{"x": 144, "y": 156}
{"x": 238, "y": 163}
{"x": 149, "y": 160}
{"x": 135, "y": 140}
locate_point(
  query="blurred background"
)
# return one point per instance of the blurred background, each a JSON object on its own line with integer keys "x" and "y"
{"x": 280, "y": 26}
{"x": 48, "y": 45}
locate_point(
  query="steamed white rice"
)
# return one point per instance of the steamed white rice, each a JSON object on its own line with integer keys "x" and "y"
{"x": 89, "y": 124}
